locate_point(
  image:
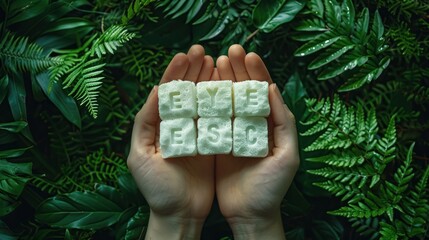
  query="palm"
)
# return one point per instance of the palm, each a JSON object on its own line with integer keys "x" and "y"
{"x": 248, "y": 186}
{"x": 180, "y": 186}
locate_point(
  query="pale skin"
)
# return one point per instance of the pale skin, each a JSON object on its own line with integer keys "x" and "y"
{"x": 180, "y": 191}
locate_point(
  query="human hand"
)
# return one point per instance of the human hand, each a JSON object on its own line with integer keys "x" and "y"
{"x": 250, "y": 190}
{"x": 179, "y": 191}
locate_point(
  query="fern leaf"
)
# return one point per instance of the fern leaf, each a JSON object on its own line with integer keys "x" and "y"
{"x": 346, "y": 45}
{"x": 109, "y": 41}
{"x": 86, "y": 78}
{"x": 387, "y": 232}
{"x": 18, "y": 53}
{"x": 371, "y": 206}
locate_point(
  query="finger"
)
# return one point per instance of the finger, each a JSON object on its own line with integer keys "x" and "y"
{"x": 196, "y": 57}
{"x": 215, "y": 75}
{"x": 206, "y": 69}
{"x": 236, "y": 55}
{"x": 145, "y": 123}
{"x": 176, "y": 68}
{"x": 284, "y": 125}
{"x": 225, "y": 69}
{"x": 256, "y": 68}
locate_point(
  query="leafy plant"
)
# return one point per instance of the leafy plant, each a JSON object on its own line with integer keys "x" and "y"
{"x": 346, "y": 44}
{"x": 360, "y": 94}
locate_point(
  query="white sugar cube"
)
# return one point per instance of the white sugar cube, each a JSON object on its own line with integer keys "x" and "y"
{"x": 250, "y": 137}
{"x": 214, "y": 135}
{"x": 214, "y": 98}
{"x": 178, "y": 137}
{"x": 177, "y": 99}
{"x": 251, "y": 99}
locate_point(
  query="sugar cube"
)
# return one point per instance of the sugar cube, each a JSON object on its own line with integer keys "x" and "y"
{"x": 250, "y": 137}
{"x": 177, "y": 99}
{"x": 178, "y": 137}
{"x": 214, "y": 98}
{"x": 214, "y": 135}
{"x": 251, "y": 99}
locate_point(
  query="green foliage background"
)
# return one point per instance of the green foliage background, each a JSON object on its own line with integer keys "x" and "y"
{"x": 74, "y": 73}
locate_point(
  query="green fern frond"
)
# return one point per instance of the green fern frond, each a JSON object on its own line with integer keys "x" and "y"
{"x": 347, "y": 192}
{"x": 18, "y": 53}
{"x": 344, "y": 44}
{"x": 387, "y": 232}
{"x": 339, "y": 159}
{"x": 359, "y": 176}
{"x": 100, "y": 168}
{"x": 367, "y": 227}
{"x": 134, "y": 9}
{"x": 369, "y": 206}
{"x": 109, "y": 41}
{"x": 85, "y": 78}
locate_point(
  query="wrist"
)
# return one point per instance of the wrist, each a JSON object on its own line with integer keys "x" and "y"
{"x": 269, "y": 227}
{"x": 173, "y": 227}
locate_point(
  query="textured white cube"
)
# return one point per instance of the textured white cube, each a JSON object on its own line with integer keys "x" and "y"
{"x": 178, "y": 137}
{"x": 251, "y": 99}
{"x": 214, "y": 135}
{"x": 214, "y": 98}
{"x": 177, "y": 99}
{"x": 250, "y": 137}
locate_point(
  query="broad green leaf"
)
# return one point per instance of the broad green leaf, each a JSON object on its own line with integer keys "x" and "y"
{"x": 80, "y": 210}
{"x": 13, "y": 177}
{"x": 324, "y": 230}
{"x": 66, "y": 104}
{"x": 112, "y": 194}
{"x": 128, "y": 186}
{"x": 270, "y": 14}
{"x": 322, "y": 41}
{"x": 4, "y": 82}
{"x": 332, "y": 53}
{"x": 11, "y": 153}
{"x": 348, "y": 63}
{"x": 137, "y": 224}
{"x": 17, "y": 97}
{"x": 14, "y": 127}
{"x": 29, "y": 10}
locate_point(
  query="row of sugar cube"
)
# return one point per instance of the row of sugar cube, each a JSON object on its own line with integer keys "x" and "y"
{"x": 215, "y": 102}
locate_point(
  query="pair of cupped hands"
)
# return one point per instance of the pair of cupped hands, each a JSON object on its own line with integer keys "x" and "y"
{"x": 180, "y": 191}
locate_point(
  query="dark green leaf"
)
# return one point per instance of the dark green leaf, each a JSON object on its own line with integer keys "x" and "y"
{"x": 324, "y": 230}
{"x": 322, "y": 41}
{"x": 14, "y": 127}
{"x": 81, "y": 210}
{"x": 17, "y": 97}
{"x": 137, "y": 225}
{"x": 377, "y": 26}
{"x": 332, "y": 53}
{"x": 6, "y": 233}
{"x": 11, "y": 153}
{"x": 362, "y": 25}
{"x": 4, "y": 82}
{"x": 270, "y": 14}
{"x": 310, "y": 25}
{"x": 112, "y": 194}
{"x": 348, "y": 63}
{"x": 128, "y": 186}
{"x": 332, "y": 13}
{"x": 13, "y": 177}
{"x": 348, "y": 13}
{"x": 316, "y": 7}
{"x": 66, "y": 104}
{"x": 7, "y": 204}
{"x": 194, "y": 10}
{"x": 29, "y": 10}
